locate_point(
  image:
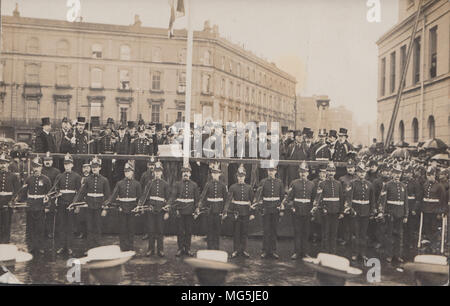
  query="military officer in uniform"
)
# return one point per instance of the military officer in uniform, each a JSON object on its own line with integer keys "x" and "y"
{"x": 300, "y": 198}
{"x": 414, "y": 193}
{"x": 394, "y": 207}
{"x": 321, "y": 151}
{"x": 341, "y": 150}
{"x": 51, "y": 172}
{"x": 81, "y": 142}
{"x": 239, "y": 200}
{"x": 9, "y": 186}
{"x": 345, "y": 229}
{"x": 35, "y": 192}
{"x": 122, "y": 147}
{"x": 126, "y": 194}
{"x": 360, "y": 204}
{"x": 107, "y": 145}
{"x": 141, "y": 146}
{"x": 148, "y": 175}
{"x": 330, "y": 200}
{"x": 270, "y": 196}
{"x": 184, "y": 201}
{"x": 67, "y": 183}
{"x": 96, "y": 190}
{"x": 213, "y": 199}
{"x": 156, "y": 197}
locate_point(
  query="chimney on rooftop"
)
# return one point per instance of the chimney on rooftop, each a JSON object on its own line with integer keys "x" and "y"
{"x": 16, "y": 12}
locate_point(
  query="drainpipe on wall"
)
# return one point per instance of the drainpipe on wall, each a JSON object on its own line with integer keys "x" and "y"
{"x": 422, "y": 78}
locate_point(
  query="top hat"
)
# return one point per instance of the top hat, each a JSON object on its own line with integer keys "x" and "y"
{"x": 332, "y": 133}
{"x": 9, "y": 255}
{"x": 36, "y": 162}
{"x": 68, "y": 159}
{"x": 303, "y": 167}
{"x": 4, "y": 158}
{"x": 306, "y": 130}
{"x": 45, "y": 121}
{"x": 284, "y": 129}
{"x": 81, "y": 120}
{"x": 130, "y": 124}
{"x": 110, "y": 121}
{"x": 298, "y": 133}
{"x": 158, "y": 127}
{"x": 65, "y": 120}
{"x": 141, "y": 122}
{"x": 322, "y": 133}
{"x": 309, "y": 134}
{"x": 343, "y": 132}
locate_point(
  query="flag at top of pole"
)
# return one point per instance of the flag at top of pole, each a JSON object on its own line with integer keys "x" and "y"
{"x": 176, "y": 11}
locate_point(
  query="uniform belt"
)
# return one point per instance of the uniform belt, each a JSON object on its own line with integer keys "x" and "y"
{"x": 36, "y": 196}
{"x": 215, "y": 199}
{"x": 5, "y": 193}
{"x": 95, "y": 195}
{"x": 302, "y": 200}
{"x": 431, "y": 200}
{"x": 127, "y": 199}
{"x": 157, "y": 198}
{"x": 241, "y": 202}
{"x": 411, "y": 197}
{"x": 361, "y": 201}
{"x": 185, "y": 200}
{"x": 322, "y": 159}
{"x": 396, "y": 202}
{"x": 331, "y": 199}
{"x": 67, "y": 191}
{"x": 271, "y": 199}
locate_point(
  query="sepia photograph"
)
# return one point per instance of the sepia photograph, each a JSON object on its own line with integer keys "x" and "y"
{"x": 224, "y": 149}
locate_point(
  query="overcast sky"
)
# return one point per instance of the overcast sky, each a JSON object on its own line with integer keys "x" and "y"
{"x": 328, "y": 45}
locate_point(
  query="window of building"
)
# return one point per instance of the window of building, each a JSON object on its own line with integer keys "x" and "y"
{"x": 156, "y": 54}
{"x": 124, "y": 82}
{"x": 247, "y": 94}
{"x": 238, "y": 70}
{"x": 222, "y": 87}
{"x": 62, "y": 75}
{"x": 392, "y": 72}
{"x": 253, "y": 96}
{"x": 182, "y": 56}
{"x": 230, "y": 66}
{"x": 383, "y": 77}
{"x": 62, "y": 48}
{"x": 403, "y": 60}
{"x": 32, "y": 74}
{"x": 32, "y": 45}
{"x": 207, "y": 58}
{"x": 382, "y": 132}
{"x": 123, "y": 114}
{"x": 433, "y": 52}
{"x": 62, "y": 109}
{"x": 401, "y": 131}
{"x": 156, "y": 80}
{"x": 182, "y": 82}
{"x": 32, "y": 109}
{"x": 180, "y": 117}
{"x": 230, "y": 90}
{"x": 97, "y": 51}
{"x": 416, "y": 61}
{"x": 223, "y": 63}
{"x": 96, "y": 78}
{"x": 415, "y": 129}
{"x": 431, "y": 127}
{"x": 248, "y": 73}
{"x": 206, "y": 80}
{"x": 125, "y": 53}
{"x": 95, "y": 109}
{"x": 238, "y": 90}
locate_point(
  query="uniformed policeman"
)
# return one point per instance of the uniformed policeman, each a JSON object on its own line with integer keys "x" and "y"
{"x": 148, "y": 175}
{"x": 9, "y": 186}
{"x": 141, "y": 146}
{"x": 341, "y": 149}
{"x": 359, "y": 206}
{"x": 81, "y": 216}
{"x": 239, "y": 200}
{"x": 414, "y": 193}
{"x": 433, "y": 205}
{"x": 184, "y": 201}
{"x": 270, "y": 196}
{"x": 300, "y": 198}
{"x": 330, "y": 200}
{"x": 394, "y": 207}
{"x": 122, "y": 147}
{"x": 107, "y": 145}
{"x": 67, "y": 183}
{"x": 96, "y": 190}
{"x": 51, "y": 172}
{"x": 81, "y": 141}
{"x": 35, "y": 192}
{"x": 213, "y": 199}
{"x": 126, "y": 194}
{"x": 156, "y": 196}
{"x": 345, "y": 228}
{"x": 321, "y": 151}
{"x": 297, "y": 150}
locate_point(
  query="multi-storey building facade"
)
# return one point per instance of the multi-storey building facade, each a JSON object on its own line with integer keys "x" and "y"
{"x": 425, "y": 105}
{"x": 53, "y": 68}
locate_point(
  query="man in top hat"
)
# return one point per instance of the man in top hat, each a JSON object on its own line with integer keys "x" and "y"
{"x": 394, "y": 207}
{"x": 360, "y": 205}
{"x": 126, "y": 194}
{"x": 321, "y": 151}
{"x": 341, "y": 150}
{"x": 156, "y": 196}
{"x": 239, "y": 200}
{"x": 330, "y": 200}
{"x": 270, "y": 195}
{"x": 96, "y": 190}
{"x": 141, "y": 146}
{"x": 45, "y": 142}
{"x": 67, "y": 184}
{"x": 345, "y": 230}
{"x": 415, "y": 190}
{"x": 213, "y": 199}
{"x": 297, "y": 151}
{"x": 433, "y": 205}
{"x": 122, "y": 147}
{"x": 8, "y": 189}
{"x": 184, "y": 201}
{"x": 51, "y": 172}
{"x": 35, "y": 191}
{"x": 300, "y": 198}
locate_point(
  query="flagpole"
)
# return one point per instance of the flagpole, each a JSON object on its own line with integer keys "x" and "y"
{"x": 187, "y": 112}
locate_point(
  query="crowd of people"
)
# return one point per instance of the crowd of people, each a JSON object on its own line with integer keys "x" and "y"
{"x": 388, "y": 202}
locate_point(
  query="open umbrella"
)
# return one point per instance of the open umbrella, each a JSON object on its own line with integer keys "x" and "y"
{"x": 440, "y": 157}
{"x": 7, "y": 140}
{"x": 434, "y": 143}
{"x": 400, "y": 153}
{"x": 401, "y": 144}
{"x": 21, "y": 146}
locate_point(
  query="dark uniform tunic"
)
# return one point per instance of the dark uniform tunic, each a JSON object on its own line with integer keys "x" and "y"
{"x": 341, "y": 155}
{"x": 345, "y": 226}
{"x": 321, "y": 152}
{"x": 9, "y": 186}
{"x": 126, "y": 194}
{"x": 432, "y": 203}
{"x": 185, "y": 198}
{"x": 156, "y": 195}
{"x": 147, "y": 177}
{"x": 415, "y": 191}
{"x": 330, "y": 199}
{"x": 37, "y": 186}
{"x": 271, "y": 195}
{"x": 240, "y": 197}
{"x": 68, "y": 184}
{"x": 361, "y": 198}
{"x": 106, "y": 145}
{"x": 81, "y": 147}
{"x": 122, "y": 147}
{"x": 51, "y": 173}
{"x": 213, "y": 199}
{"x": 96, "y": 190}
{"x": 141, "y": 146}
{"x": 394, "y": 203}
{"x": 297, "y": 151}
{"x": 300, "y": 198}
